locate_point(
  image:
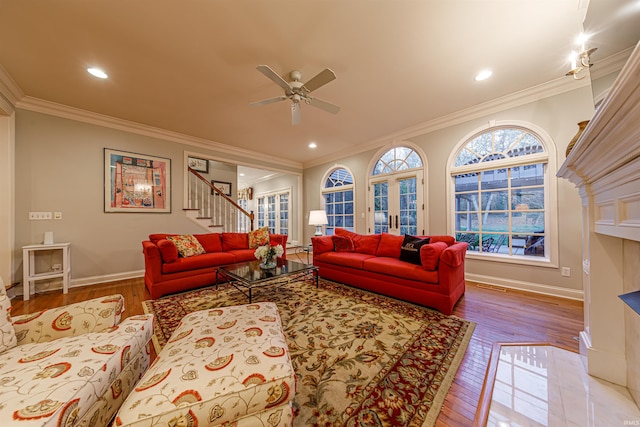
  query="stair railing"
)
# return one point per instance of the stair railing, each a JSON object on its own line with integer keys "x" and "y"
{"x": 212, "y": 203}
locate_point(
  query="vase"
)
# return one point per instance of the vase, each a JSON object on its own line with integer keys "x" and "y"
{"x": 268, "y": 263}
{"x": 573, "y": 141}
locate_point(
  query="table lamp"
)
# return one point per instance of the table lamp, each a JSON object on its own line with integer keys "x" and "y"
{"x": 318, "y": 218}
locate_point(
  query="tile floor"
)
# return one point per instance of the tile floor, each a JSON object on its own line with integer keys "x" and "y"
{"x": 547, "y": 386}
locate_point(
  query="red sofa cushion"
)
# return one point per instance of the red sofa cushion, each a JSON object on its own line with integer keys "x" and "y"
{"x": 345, "y": 259}
{"x": 430, "y": 255}
{"x": 449, "y": 240}
{"x": 397, "y": 268}
{"x": 242, "y": 255}
{"x": 389, "y": 245}
{"x": 168, "y": 250}
{"x": 198, "y": 262}
{"x": 211, "y": 242}
{"x": 233, "y": 241}
{"x": 322, "y": 244}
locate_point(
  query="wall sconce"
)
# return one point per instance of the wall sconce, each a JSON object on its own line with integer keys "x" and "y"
{"x": 318, "y": 218}
{"x": 581, "y": 61}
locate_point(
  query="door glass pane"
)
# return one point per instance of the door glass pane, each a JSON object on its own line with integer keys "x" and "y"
{"x": 408, "y": 211}
{"x": 380, "y": 207}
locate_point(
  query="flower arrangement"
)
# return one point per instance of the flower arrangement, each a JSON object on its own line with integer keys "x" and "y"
{"x": 268, "y": 253}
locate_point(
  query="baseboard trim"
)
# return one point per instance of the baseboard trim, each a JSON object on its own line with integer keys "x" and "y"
{"x": 94, "y": 280}
{"x": 527, "y": 286}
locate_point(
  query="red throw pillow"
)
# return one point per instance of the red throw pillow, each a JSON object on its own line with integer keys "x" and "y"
{"x": 410, "y": 249}
{"x": 430, "y": 255}
{"x": 210, "y": 242}
{"x": 389, "y": 245}
{"x": 168, "y": 250}
{"x": 342, "y": 244}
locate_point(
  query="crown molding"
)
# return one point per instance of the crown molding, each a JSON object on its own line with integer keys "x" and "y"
{"x": 610, "y": 64}
{"x": 10, "y": 92}
{"x": 59, "y": 110}
{"x": 516, "y": 99}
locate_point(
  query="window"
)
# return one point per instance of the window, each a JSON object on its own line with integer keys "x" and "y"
{"x": 500, "y": 181}
{"x": 337, "y": 193}
{"x": 273, "y": 211}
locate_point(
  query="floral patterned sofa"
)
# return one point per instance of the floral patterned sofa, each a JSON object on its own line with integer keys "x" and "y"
{"x": 227, "y": 366}
{"x": 72, "y": 365}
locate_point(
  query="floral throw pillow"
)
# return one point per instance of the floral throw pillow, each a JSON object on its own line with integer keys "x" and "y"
{"x": 259, "y": 237}
{"x": 187, "y": 245}
{"x": 7, "y": 333}
{"x": 342, "y": 243}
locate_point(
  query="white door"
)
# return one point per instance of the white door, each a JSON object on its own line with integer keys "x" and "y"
{"x": 396, "y": 204}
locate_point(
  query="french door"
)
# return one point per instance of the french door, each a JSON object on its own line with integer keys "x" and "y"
{"x": 396, "y": 204}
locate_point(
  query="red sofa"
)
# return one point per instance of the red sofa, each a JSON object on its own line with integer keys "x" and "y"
{"x": 166, "y": 273}
{"x": 373, "y": 263}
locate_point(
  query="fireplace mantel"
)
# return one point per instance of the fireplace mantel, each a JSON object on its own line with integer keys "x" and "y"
{"x": 605, "y": 167}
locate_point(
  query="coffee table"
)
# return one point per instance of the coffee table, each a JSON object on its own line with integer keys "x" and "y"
{"x": 246, "y": 276}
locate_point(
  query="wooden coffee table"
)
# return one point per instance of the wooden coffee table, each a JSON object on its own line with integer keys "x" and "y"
{"x": 247, "y": 276}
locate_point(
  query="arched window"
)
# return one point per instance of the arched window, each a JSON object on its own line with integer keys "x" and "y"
{"x": 337, "y": 192}
{"x": 396, "y": 195}
{"x": 500, "y": 184}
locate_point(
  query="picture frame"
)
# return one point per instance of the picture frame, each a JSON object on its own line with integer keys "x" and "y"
{"x": 225, "y": 187}
{"x": 135, "y": 182}
{"x": 198, "y": 165}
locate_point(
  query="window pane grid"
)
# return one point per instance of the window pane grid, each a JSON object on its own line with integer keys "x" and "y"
{"x": 338, "y": 201}
{"x": 499, "y": 217}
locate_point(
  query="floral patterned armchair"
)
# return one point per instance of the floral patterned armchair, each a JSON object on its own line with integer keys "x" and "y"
{"x": 72, "y": 365}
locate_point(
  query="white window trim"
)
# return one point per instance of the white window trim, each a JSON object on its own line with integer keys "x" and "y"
{"x": 550, "y": 194}
{"x": 352, "y": 187}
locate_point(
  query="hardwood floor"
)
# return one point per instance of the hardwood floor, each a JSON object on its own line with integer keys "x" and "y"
{"x": 500, "y": 316}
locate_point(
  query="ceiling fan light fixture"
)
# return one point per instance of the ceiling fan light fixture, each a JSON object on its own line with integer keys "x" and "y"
{"x": 97, "y": 72}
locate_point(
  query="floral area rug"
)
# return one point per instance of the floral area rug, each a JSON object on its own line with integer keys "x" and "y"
{"x": 361, "y": 359}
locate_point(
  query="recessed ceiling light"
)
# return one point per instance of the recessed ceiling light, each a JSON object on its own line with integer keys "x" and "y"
{"x": 483, "y": 75}
{"x": 241, "y": 174}
{"x": 312, "y": 145}
{"x": 97, "y": 72}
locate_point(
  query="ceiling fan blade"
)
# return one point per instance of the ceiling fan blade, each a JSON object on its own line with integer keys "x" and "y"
{"x": 264, "y": 69}
{"x": 268, "y": 101}
{"x": 295, "y": 113}
{"x": 324, "y": 105}
{"x": 322, "y": 78}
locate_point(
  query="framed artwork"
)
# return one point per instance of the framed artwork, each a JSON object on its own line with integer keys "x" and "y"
{"x": 136, "y": 182}
{"x": 198, "y": 165}
{"x": 225, "y": 187}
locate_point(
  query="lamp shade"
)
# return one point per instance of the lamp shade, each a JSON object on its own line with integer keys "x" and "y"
{"x": 318, "y": 218}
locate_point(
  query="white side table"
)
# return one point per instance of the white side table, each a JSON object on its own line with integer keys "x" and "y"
{"x": 29, "y": 274}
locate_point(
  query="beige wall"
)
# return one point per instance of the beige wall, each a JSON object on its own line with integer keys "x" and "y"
{"x": 558, "y": 116}
{"x": 60, "y": 168}
{"x": 6, "y": 196}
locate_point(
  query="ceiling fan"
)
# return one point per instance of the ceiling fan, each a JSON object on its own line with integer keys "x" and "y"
{"x": 298, "y": 91}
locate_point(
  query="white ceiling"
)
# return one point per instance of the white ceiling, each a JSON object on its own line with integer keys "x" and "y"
{"x": 190, "y": 66}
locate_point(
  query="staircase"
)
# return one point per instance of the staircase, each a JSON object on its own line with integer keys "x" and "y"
{"x": 213, "y": 210}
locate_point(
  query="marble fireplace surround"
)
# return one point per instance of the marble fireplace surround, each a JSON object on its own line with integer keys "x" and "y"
{"x": 605, "y": 167}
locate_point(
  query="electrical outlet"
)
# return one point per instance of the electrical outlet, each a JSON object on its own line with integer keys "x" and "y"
{"x": 565, "y": 271}
{"x": 57, "y": 215}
